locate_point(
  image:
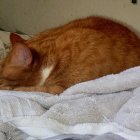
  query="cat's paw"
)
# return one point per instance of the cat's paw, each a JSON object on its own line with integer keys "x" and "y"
{"x": 5, "y": 87}
{"x": 55, "y": 89}
{"x": 22, "y": 89}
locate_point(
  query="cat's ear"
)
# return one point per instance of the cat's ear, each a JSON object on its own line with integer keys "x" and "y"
{"x": 14, "y": 38}
{"x": 21, "y": 55}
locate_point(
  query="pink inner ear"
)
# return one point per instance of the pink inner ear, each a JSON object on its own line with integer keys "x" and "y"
{"x": 21, "y": 55}
{"x": 14, "y": 38}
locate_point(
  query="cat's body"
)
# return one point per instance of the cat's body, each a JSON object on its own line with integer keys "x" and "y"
{"x": 82, "y": 50}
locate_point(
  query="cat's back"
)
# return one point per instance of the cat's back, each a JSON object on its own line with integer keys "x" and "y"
{"x": 109, "y": 27}
{"x": 93, "y": 30}
{"x": 88, "y": 48}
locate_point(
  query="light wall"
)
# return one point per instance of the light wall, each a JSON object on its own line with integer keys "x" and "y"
{"x": 32, "y": 16}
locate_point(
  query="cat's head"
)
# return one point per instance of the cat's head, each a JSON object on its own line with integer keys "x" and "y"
{"x": 19, "y": 68}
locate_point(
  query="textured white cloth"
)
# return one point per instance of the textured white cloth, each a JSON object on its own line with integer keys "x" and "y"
{"x": 108, "y": 104}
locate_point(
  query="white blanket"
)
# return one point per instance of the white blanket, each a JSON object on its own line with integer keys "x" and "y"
{"x": 108, "y": 104}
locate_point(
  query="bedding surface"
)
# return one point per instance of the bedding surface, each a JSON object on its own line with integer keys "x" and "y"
{"x": 9, "y": 132}
{"x": 107, "y": 108}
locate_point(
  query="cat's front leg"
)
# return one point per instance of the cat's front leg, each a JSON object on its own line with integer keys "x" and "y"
{"x": 51, "y": 89}
{"x": 31, "y": 88}
{"x": 5, "y": 87}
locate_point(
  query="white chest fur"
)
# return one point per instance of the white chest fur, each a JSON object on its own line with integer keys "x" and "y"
{"x": 45, "y": 74}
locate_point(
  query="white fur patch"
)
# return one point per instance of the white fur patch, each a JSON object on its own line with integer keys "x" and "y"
{"x": 45, "y": 74}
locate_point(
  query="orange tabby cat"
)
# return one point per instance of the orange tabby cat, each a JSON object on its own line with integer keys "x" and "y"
{"x": 81, "y": 50}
